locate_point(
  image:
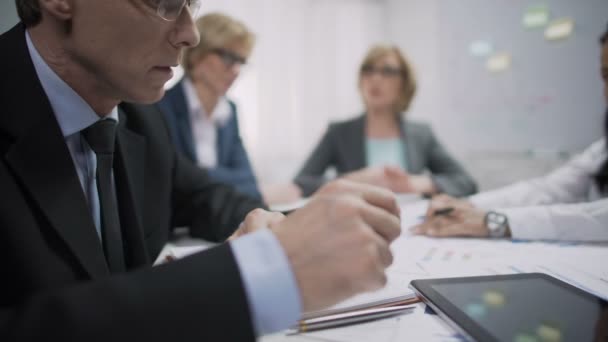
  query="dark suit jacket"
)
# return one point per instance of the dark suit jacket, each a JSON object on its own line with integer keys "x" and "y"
{"x": 56, "y": 284}
{"x": 343, "y": 147}
{"x": 233, "y": 164}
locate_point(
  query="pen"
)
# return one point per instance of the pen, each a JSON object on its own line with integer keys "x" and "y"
{"x": 339, "y": 320}
{"x": 443, "y": 211}
{"x": 439, "y": 212}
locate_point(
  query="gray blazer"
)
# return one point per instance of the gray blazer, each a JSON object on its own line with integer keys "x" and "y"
{"x": 343, "y": 147}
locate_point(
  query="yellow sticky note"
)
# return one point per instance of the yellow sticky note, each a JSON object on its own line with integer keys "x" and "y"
{"x": 499, "y": 62}
{"x": 559, "y": 29}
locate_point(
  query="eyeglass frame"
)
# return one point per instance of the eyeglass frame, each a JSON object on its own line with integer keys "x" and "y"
{"x": 385, "y": 71}
{"x": 193, "y": 6}
{"x": 229, "y": 58}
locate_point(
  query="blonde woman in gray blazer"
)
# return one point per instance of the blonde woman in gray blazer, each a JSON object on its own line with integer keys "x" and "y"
{"x": 381, "y": 147}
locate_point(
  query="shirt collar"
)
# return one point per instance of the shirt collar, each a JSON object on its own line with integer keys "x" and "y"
{"x": 221, "y": 112}
{"x": 71, "y": 111}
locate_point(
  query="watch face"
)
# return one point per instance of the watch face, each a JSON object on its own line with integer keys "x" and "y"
{"x": 496, "y": 224}
{"x": 496, "y": 218}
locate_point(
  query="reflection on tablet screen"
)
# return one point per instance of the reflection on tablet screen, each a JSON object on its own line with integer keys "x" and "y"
{"x": 529, "y": 311}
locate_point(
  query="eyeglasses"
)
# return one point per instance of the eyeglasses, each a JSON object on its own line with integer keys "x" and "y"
{"x": 230, "y": 58}
{"x": 385, "y": 71}
{"x": 170, "y": 10}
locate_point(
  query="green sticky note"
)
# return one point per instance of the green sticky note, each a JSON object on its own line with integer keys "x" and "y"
{"x": 536, "y": 16}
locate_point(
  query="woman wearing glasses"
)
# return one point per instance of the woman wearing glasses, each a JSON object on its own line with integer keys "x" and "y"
{"x": 202, "y": 121}
{"x": 381, "y": 147}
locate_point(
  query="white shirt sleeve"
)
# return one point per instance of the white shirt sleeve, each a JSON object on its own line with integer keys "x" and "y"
{"x": 555, "y": 207}
{"x": 565, "y": 222}
{"x": 570, "y": 183}
{"x": 270, "y": 284}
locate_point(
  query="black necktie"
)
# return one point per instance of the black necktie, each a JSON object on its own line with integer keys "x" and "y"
{"x": 101, "y": 137}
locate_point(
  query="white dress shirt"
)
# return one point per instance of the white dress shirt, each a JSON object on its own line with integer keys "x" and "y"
{"x": 270, "y": 285}
{"x": 73, "y": 115}
{"x": 566, "y": 204}
{"x": 204, "y": 126}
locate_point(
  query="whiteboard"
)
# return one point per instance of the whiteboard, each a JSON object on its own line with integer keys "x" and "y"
{"x": 551, "y": 98}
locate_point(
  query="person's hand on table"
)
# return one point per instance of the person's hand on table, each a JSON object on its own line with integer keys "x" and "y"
{"x": 370, "y": 175}
{"x": 463, "y": 220}
{"x": 393, "y": 178}
{"x": 400, "y": 181}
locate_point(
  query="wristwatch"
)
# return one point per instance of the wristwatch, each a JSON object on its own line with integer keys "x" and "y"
{"x": 497, "y": 224}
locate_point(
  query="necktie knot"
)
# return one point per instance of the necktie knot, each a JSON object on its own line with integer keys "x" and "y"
{"x": 101, "y": 136}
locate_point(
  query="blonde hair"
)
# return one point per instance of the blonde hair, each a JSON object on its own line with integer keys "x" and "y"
{"x": 408, "y": 78}
{"x": 217, "y": 30}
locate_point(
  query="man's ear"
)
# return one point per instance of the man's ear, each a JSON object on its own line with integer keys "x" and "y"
{"x": 59, "y": 9}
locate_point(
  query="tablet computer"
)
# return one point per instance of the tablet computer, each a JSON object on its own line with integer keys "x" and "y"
{"x": 532, "y": 307}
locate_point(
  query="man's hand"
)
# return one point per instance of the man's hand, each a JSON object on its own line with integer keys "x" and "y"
{"x": 257, "y": 219}
{"x": 463, "y": 220}
{"x": 338, "y": 244}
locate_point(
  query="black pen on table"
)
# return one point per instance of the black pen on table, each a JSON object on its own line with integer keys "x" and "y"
{"x": 440, "y": 212}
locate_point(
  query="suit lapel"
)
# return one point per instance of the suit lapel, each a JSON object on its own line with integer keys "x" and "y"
{"x": 223, "y": 135}
{"x": 412, "y": 155}
{"x": 43, "y": 163}
{"x": 356, "y": 144}
{"x": 129, "y": 178}
{"x": 184, "y": 126}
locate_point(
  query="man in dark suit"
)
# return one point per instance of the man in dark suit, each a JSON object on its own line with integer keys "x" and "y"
{"x": 91, "y": 186}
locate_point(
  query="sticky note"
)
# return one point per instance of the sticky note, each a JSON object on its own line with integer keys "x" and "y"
{"x": 559, "y": 29}
{"x": 499, "y": 62}
{"x": 480, "y": 48}
{"x": 536, "y": 16}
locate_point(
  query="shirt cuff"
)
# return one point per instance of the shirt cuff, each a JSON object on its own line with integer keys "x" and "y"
{"x": 271, "y": 287}
{"x": 530, "y": 223}
{"x": 480, "y": 202}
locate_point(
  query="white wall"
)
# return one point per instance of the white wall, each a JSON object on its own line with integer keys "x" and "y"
{"x": 550, "y": 100}
{"x": 8, "y": 15}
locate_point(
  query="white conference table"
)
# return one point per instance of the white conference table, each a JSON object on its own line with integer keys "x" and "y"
{"x": 420, "y": 257}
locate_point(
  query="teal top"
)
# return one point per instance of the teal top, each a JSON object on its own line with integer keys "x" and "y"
{"x": 385, "y": 152}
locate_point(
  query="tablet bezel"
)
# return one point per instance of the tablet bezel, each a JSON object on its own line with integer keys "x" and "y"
{"x": 457, "y": 319}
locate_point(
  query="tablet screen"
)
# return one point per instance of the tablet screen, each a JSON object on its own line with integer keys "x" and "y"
{"x": 528, "y": 310}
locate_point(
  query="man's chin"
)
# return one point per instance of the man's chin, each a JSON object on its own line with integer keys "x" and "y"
{"x": 148, "y": 97}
